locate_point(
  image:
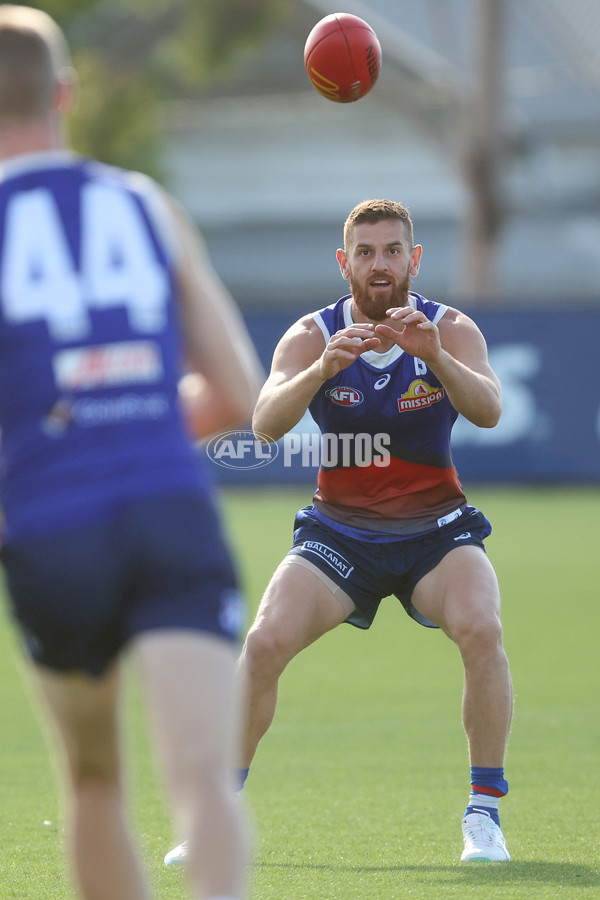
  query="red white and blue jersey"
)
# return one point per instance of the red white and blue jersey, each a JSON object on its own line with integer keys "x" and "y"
{"x": 90, "y": 352}
{"x": 386, "y": 469}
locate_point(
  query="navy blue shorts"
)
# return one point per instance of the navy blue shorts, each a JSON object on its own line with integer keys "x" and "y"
{"x": 81, "y": 594}
{"x": 368, "y": 572}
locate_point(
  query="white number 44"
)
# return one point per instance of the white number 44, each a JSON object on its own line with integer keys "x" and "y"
{"x": 117, "y": 263}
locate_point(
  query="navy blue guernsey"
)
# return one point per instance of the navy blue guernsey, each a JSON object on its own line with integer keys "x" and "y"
{"x": 393, "y": 406}
{"x": 90, "y": 352}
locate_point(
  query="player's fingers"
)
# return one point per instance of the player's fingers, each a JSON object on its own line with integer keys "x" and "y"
{"x": 345, "y": 352}
{"x": 345, "y": 340}
{"x": 399, "y": 312}
{"x": 389, "y": 332}
{"x": 370, "y": 344}
{"x": 406, "y": 315}
{"x": 332, "y": 363}
{"x": 362, "y": 330}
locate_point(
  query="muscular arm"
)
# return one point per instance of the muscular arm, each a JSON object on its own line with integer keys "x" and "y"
{"x": 225, "y": 373}
{"x": 457, "y": 353}
{"x": 301, "y": 364}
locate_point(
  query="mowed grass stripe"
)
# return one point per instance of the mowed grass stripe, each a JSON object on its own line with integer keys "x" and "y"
{"x": 358, "y": 789}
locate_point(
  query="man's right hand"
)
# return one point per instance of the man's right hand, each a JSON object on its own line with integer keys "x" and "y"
{"x": 345, "y": 347}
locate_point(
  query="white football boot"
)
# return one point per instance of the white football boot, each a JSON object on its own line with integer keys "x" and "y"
{"x": 484, "y": 841}
{"x": 177, "y": 856}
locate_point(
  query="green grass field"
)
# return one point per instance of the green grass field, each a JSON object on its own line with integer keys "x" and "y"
{"x": 358, "y": 789}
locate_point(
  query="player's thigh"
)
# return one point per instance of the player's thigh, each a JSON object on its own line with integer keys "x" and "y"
{"x": 297, "y": 608}
{"x": 192, "y": 693}
{"x": 460, "y": 592}
{"x": 84, "y": 710}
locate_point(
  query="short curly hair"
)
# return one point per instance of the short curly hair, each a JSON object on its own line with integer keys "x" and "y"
{"x": 374, "y": 211}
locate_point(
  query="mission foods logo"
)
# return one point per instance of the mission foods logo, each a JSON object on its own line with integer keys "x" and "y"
{"x": 345, "y": 396}
{"x": 419, "y": 395}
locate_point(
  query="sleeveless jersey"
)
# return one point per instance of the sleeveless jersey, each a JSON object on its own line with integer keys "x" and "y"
{"x": 386, "y": 470}
{"x": 90, "y": 352}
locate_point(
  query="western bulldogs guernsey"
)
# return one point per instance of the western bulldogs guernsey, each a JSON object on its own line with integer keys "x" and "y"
{"x": 386, "y": 470}
{"x": 89, "y": 346}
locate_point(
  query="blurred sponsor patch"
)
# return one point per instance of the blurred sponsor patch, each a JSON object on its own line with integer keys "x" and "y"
{"x": 108, "y": 365}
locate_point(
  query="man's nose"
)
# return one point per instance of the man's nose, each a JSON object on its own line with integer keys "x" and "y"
{"x": 379, "y": 261}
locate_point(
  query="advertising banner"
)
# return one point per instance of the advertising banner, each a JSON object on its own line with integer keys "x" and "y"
{"x": 549, "y": 366}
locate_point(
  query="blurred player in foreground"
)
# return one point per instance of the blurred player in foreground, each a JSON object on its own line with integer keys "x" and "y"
{"x": 112, "y": 540}
{"x": 384, "y": 373}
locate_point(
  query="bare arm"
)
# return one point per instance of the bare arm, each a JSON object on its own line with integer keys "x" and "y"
{"x": 456, "y": 351}
{"x": 225, "y": 373}
{"x": 301, "y": 364}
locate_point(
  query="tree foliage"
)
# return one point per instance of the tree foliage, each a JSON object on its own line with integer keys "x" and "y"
{"x": 133, "y": 55}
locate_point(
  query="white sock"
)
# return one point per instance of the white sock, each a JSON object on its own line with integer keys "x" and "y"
{"x": 476, "y": 799}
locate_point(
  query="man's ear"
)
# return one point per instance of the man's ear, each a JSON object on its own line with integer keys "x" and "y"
{"x": 343, "y": 263}
{"x": 66, "y": 91}
{"x": 416, "y": 259}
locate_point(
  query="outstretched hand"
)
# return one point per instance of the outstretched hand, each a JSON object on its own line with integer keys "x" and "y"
{"x": 345, "y": 346}
{"x": 411, "y": 330}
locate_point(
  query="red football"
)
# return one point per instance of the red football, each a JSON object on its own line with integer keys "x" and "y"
{"x": 342, "y": 57}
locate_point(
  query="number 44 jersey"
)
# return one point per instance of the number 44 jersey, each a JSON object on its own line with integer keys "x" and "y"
{"x": 90, "y": 352}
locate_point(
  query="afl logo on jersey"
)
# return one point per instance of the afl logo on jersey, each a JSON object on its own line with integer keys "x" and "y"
{"x": 344, "y": 396}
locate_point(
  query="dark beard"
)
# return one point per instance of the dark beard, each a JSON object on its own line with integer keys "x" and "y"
{"x": 375, "y": 307}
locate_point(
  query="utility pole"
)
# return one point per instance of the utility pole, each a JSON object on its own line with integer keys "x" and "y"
{"x": 482, "y": 155}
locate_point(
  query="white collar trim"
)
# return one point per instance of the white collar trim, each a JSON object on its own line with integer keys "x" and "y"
{"x": 377, "y": 360}
{"x": 24, "y": 162}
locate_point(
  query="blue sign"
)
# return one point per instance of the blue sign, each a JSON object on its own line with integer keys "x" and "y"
{"x": 549, "y": 365}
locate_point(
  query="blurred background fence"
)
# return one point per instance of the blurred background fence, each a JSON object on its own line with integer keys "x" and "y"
{"x": 485, "y": 122}
{"x": 550, "y": 428}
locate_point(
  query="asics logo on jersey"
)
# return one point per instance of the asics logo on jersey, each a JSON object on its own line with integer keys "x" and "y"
{"x": 344, "y": 396}
{"x": 463, "y": 537}
{"x": 381, "y": 382}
